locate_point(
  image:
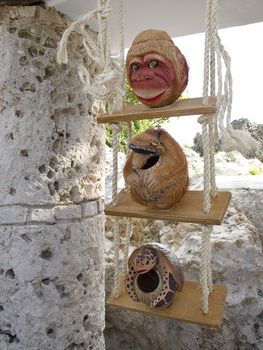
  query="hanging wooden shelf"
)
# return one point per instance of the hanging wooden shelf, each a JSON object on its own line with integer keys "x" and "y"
{"x": 186, "y": 307}
{"x": 182, "y": 107}
{"x": 190, "y": 209}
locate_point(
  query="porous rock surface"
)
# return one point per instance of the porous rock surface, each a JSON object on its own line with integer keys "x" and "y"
{"x": 253, "y": 129}
{"x": 51, "y": 221}
{"x": 51, "y": 150}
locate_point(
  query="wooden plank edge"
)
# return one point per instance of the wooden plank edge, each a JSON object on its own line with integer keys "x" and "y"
{"x": 206, "y": 320}
{"x": 205, "y": 221}
{"x": 223, "y": 213}
{"x": 122, "y": 117}
{"x": 111, "y": 211}
{"x": 181, "y": 107}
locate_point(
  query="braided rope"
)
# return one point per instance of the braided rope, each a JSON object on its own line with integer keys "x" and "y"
{"x": 129, "y": 230}
{"x": 128, "y": 235}
{"x": 116, "y": 259}
{"x": 208, "y": 229}
{"x": 206, "y": 53}
{"x": 115, "y": 149}
{"x": 118, "y": 101}
{"x": 122, "y": 47}
{"x": 203, "y": 120}
{"x": 117, "y": 106}
{"x": 104, "y": 85}
{"x": 212, "y": 42}
{"x": 211, "y": 136}
{"x": 116, "y": 242}
{"x": 204, "y": 268}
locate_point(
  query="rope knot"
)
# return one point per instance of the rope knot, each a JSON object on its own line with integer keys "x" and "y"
{"x": 105, "y": 10}
{"x": 115, "y": 127}
{"x": 203, "y": 119}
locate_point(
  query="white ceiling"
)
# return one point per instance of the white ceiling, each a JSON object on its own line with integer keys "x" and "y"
{"x": 178, "y": 18}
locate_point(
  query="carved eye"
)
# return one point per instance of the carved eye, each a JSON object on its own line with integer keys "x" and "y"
{"x": 152, "y": 64}
{"x": 134, "y": 67}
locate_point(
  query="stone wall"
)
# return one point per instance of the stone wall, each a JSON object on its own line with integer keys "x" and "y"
{"x": 51, "y": 181}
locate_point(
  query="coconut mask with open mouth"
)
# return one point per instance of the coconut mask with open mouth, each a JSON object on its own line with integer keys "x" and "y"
{"x": 156, "y": 69}
{"x": 156, "y": 169}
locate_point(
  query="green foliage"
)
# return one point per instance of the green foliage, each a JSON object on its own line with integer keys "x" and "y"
{"x": 255, "y": 171}
{"x": 138, "y": 125}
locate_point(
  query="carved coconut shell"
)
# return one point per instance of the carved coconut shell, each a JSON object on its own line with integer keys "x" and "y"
{"x": 164, "y": 256}
{"x": 152, "y": 41}
{"x": 157, "y": 287}
{"x": 156, "y": 169}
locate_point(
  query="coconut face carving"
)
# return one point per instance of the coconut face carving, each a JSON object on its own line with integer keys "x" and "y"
{"x": 156, "y": 169}
{"x": 156, "y": 69}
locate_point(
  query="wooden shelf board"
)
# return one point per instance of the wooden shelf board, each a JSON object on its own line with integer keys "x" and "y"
{"x": 186, "y": 306}
{"x": 182, "y": 107}
{"x": 189, "y": 209}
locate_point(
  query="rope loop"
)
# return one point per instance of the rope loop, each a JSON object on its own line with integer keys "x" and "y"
{"x": 203, "y": 120}
{"x": 115, "y": 127}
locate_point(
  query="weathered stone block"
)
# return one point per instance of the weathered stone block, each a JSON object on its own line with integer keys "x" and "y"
{"x": 67, "y": 212}
{"x": 13, "y": 214}
{"x": 90, "y": 208}
{"x": 41, "y": 215}
{"x": 101, "y": 205}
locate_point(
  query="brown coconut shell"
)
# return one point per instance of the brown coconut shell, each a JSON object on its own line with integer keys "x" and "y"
{"x": 159, "y": 42}
{"x": 165, "y": 256}
{"x": 163, "y": 184}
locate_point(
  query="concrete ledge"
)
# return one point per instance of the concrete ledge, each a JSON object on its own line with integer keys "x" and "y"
{"x": 13, "y": 214}
{"x": 25, "y": 214}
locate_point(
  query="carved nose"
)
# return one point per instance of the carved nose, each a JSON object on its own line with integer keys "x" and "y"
{"x": 141, "y": 75}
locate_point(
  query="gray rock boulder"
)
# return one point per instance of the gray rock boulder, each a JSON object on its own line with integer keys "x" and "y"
{"x": 255, "y": 130}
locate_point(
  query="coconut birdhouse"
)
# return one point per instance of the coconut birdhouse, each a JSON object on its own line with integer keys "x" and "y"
{"x": 156, "y": 69}
{"x": 154, "y": 275}
{"x": 156, "y": 169}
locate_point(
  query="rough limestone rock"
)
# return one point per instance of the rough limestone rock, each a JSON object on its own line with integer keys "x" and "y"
{"x": 53, "y": 150}
{"x": 51, "y": 221}
{"x": 237, "y": 263}
{"x": 255, "y": 130}
{"x": 250, "y": 202}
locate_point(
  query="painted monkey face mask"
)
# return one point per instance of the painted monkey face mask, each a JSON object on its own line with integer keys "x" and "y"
{"x": 156, "y": 69}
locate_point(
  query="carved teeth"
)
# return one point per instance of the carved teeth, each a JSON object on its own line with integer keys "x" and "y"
{"x": 143, "y": 150}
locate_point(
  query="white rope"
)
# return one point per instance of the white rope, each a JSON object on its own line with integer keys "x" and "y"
{"x": 127, "y": 244}
{"x": 115, "y": 149}
{"x": 208, "y": 265}
{"x": 205, "y": 267}
{"x": 116, "y": 247}
{"x": 206, "y": 148}
{"x": 117, "y": 105}
{"x": 211, "y": 128}
{"x": 116, "y": 242}
{"x": 104, "y": 85}
{"x": 207, "y": 53}
{"x": 231, "y": 139}
{"x": 129, "y": 230}
{"x": 120, "y": 101}
{"x": 213, "y": 32}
